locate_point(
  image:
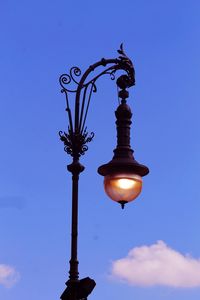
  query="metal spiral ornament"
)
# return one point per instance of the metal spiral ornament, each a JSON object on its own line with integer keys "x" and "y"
{"x": 75, "y": 71}
{"x": 66, "y": 79}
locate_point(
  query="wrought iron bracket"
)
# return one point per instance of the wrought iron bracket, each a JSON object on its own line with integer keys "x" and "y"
{"x": 76, "y": 139}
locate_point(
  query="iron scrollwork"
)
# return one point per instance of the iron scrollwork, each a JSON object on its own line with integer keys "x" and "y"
{"x": 76, "y": 139}
{"x": 66, "y": 79}
{"x": 75, "y": 144}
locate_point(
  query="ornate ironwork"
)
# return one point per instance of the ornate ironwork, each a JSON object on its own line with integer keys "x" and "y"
{"x": 75, "y": 144}
{"x": 77, "y": 137}
{"x": 66, "y": 79}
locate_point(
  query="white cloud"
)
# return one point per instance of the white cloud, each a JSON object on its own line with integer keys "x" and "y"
{"x": 157, "y": 264}
{"x": 8, "y": 276}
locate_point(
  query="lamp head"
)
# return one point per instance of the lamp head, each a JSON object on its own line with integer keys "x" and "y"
{"x": 123, "y": 179}
{"x": 123, "y": 174}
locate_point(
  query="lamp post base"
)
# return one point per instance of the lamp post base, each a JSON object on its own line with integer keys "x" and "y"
{"x": 79, "y": 289}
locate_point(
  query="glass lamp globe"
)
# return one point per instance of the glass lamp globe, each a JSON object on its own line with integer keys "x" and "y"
{"x": 123, "y": 188}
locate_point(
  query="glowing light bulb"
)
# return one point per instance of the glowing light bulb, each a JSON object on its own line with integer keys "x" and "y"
{"x": 123, "y": 187}
{"x": 125, "y": 183}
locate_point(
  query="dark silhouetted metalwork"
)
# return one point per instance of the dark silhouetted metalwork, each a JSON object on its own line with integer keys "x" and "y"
{"x": 77, "y": 137}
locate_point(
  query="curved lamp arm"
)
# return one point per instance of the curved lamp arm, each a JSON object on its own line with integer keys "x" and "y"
{"x": 77, "y": 137}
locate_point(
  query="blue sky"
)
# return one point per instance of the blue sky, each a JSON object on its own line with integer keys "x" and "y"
{"x": 41, "y": 40}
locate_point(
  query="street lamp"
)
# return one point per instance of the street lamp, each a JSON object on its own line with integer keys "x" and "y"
{"x": 122, "y": 175}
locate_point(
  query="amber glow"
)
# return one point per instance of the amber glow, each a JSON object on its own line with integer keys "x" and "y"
{"x": 123, "y": 187}
{"x": 125, "y": 183}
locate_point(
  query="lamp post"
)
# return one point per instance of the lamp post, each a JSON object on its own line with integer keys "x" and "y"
{"x": 122, "y": 175}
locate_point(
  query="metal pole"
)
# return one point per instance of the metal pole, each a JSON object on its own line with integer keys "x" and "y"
{"x": 75, "y": 168}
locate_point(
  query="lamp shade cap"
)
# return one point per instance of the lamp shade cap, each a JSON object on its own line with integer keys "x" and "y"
{"x": 123, "y": 165}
